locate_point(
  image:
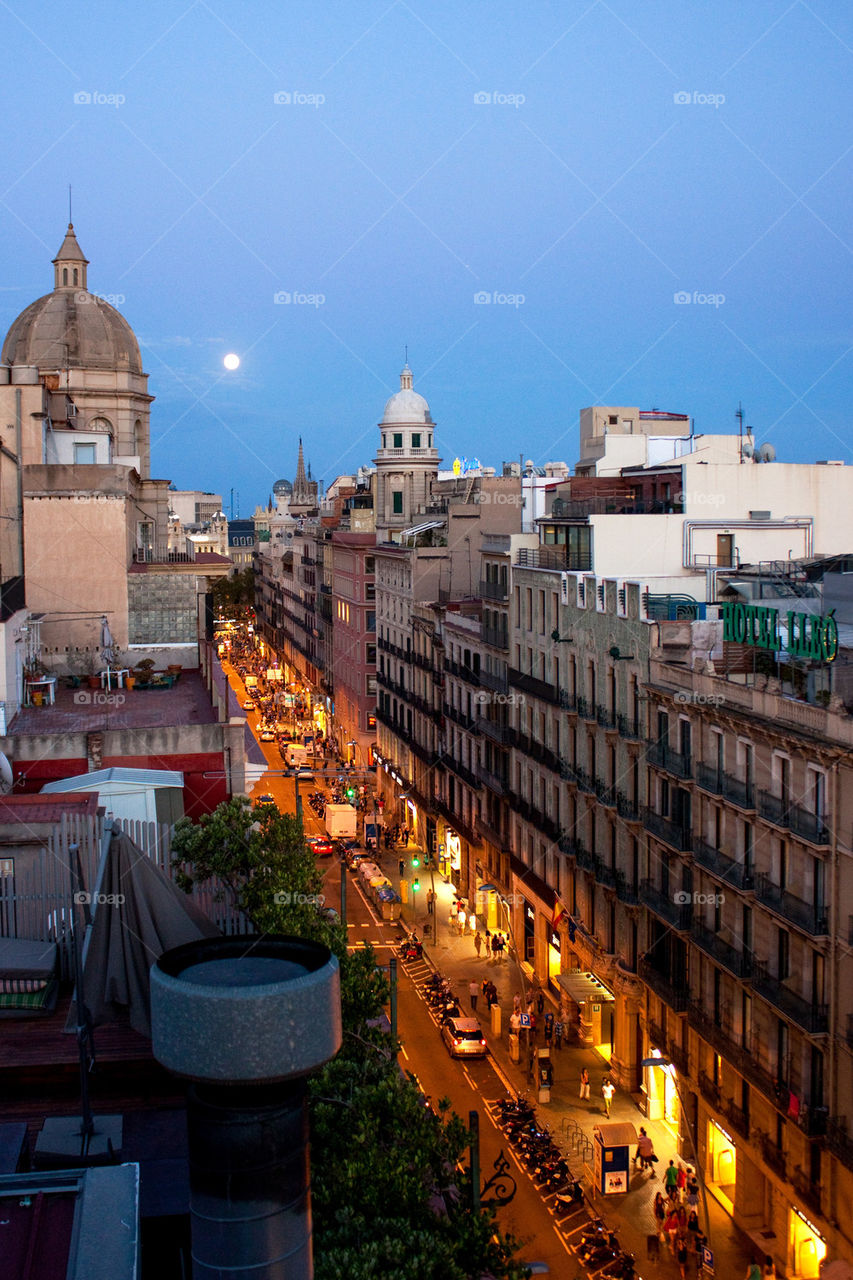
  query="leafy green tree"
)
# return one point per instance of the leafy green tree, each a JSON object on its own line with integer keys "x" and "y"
{"x": 233, "y": 595}
{"x": 391, "y": 1199}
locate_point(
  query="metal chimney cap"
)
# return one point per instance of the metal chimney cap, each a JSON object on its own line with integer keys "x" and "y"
{"x": 245, "y": 1010}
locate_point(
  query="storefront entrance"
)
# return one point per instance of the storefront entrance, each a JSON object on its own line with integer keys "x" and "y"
{"x": 808, "y": 1247}
{"x": 722, "y": 1166}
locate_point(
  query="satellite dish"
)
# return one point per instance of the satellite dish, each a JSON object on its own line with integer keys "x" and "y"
{"x": 747, "y": 448}
{"x": 6, "y": 779}
{"x": 767, "y": 453}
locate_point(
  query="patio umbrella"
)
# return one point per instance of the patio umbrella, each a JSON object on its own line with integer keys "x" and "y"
{"x": 107, "y": 642}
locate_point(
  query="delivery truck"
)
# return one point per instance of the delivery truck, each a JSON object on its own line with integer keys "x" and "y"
{"x": 341, "y": 821}
{"x": 294, "y": 754}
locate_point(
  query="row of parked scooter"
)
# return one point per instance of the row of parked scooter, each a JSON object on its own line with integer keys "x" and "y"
{"x": 437, "y": 992}
{"x": 535, "y": 1147}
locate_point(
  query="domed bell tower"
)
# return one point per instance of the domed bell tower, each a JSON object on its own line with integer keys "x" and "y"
{"x": 406, "y": 460}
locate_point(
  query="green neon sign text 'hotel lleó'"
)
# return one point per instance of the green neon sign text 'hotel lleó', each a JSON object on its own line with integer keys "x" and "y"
{"x": 808, "y": 635}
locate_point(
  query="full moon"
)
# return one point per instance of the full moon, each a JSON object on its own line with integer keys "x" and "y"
{"x": 231, "y": 362}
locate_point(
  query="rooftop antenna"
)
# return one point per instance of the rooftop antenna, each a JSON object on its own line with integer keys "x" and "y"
{"x": 406, "y": 349}
{"x": 739, "y": 416}
{"x": 70, "y": 219}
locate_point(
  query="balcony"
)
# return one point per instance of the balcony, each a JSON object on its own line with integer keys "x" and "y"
{"x": 738, "y": 963}
{"x": 807, "y": 1191}
{"x": 493, "y": 834}
{"x": 675, "y": 997}
{"x": 499, "y": 684}
{"x": 812, "y": 920}
{"x": 585, "y": 708}
{"x": 464, "y": 673}
{"x": 627, "y": 808}
{"x": 710, "y": 1091}
{"x": 720, "y": 865}
{"x": 838, "y": 1140}
{"x": 679, "y": 1058}
{"x": 657, "y": 1035}
{"x": 722, "y": 784}
{"x": 496, "y": 637}
{"x": 461, "y": 771}
{"x": 537, "y": 688}
{"x": 626, "y": 891}
{"x": 494, "y": 590}
{"x": 500, "y": 733}
{"x": 813, "y": 1018}
{"x": 672, "y": 833}
{"x": 676, "y": 914}
{"x": 605, "y": 718}
{"x": 532, "y": 814}
{"x": 791, "y": 817}
{"x": 428, "y": 757}
{"x": 495, "y": 782}
{"x": 568, "y": 701}
{"x": 771, "y": 1155}
{"x": 674, "y": 762}
{"x": 737, "y": 1117}
{"x": 629, "y": 727}
{"x": 459, "y": 717}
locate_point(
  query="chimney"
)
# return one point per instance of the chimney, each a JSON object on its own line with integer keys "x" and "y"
{"x": 246, "y": 1020}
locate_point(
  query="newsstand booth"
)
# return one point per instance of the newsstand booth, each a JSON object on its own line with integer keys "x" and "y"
{"x": 611, "y": 1147}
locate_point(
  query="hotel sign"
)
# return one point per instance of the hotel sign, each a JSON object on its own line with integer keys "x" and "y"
{"x": 806, "y": 635}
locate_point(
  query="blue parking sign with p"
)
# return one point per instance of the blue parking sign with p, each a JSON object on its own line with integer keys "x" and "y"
{"x": 524, "y": 1021}
{"x": 708, "y": 1260}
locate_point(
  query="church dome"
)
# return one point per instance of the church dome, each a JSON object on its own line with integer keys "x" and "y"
{"x": 282, "y": 486}
{"x": 406, "y": 407}
{"x": 70, "y": 327}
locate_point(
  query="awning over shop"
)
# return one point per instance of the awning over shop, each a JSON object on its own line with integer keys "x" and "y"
{"x": 584, "y": 986}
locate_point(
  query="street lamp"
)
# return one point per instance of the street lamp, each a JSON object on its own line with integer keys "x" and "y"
{"x": 665, "y": 1062}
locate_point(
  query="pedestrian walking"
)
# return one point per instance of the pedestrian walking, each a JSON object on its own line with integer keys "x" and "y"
{"x": 681, "y": 1256}
{"x": 516, "y": 1003}
{"x": 584, "y": 1093}
{"x": 401, "y": 864}
{"x": 540, "y": 1003}
{"x": 430, "y": 901}
{"x": 693, "y": 1231}
{"x": 645, "y": 1155}
{"x": 493, "y": 994}
{"x": 549, "y": 1028}
{"x": 473, "y": 991}
{"x": 754, "y": 1270}
{"x": 558, "y": 1035}
{"x": 681, "y": 1181}
{"x": 692, "y": 1189}
{"x": 478, "y": 942}
{"x": 461, "y": 919}
{"x": 501, "y": 946}
{"x": 607, "y": 1092}
{"x": 671, "y": 1180}
{"x": 671, "y": 1229}
{"x": 769, "y": 1271}
{"x": 659, "y": 1210}
{"x": 495, "y": 946}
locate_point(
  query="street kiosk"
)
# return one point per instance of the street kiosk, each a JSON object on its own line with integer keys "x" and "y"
{"x": 612, "y": 1157}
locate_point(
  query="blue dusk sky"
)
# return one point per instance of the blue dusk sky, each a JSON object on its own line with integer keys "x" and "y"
{"x": 551, "y": 204}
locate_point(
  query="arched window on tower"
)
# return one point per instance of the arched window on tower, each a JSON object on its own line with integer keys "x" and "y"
{"x": 65, "y": 275}
{"x": 75, "y": 275}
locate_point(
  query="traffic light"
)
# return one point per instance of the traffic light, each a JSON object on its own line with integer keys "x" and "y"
{"x": 426, "y": 859}
{"x": 416, "y": 862}
{"x": 350, "y": 794}
{"x": 416, "y": 884}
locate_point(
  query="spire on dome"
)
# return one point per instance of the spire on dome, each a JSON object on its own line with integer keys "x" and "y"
{"x": 69, "y": 265}
{"x": 406, "y": 382}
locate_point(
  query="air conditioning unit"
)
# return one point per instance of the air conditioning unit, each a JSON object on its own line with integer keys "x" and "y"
{"x": 564, "y": 588}
{"x": 581, "y": 594}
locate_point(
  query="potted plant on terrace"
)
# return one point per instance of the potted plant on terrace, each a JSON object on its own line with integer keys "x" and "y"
{"x": 143, "y": 672}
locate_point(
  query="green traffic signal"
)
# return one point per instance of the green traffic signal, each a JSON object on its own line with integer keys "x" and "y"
{"x": 416, "y": 884}
{"x": 416, "y": 862}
